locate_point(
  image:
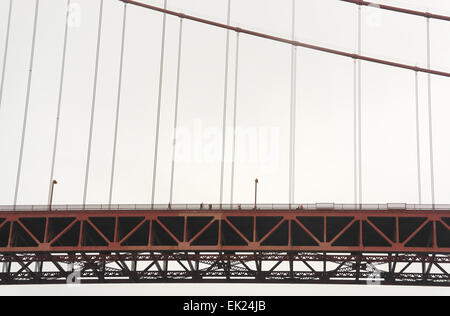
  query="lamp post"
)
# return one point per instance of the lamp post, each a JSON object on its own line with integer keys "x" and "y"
{"x": 51, "y": 195}
{"x": 256, "y": 193}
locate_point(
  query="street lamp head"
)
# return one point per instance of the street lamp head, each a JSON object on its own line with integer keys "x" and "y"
{"x": 55, "y": 182}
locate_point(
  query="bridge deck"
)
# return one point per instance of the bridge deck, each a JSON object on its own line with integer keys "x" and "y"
{"x": 386, "y": 244}
{"x": 202, "y": 229}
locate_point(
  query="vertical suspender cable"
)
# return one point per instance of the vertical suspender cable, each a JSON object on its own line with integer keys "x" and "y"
{"x": 357, "y": 119}
{"x": 58, "y": 111}
{"x": 355, "y": 131}
{"x": 360, "y": 107}
{"x": 224, "y": 123}
{"x": 27, "y": 101}
{"x": 233, "y": 164}
{"x": 430, "y": 116}
{"x": 158, "y": 115}
{"x": 119, "y": 95}
{"x": 419, "y": 171}
{"x": 94, "y": 99}
{"x": 5, "y": 55}
{"x": 5, "y": 58}
{"x": 177, "y": 98}
{"x": 293, "y": 112}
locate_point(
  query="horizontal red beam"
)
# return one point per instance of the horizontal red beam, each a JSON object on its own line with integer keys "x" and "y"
{"x": 233, "y": 256}
{"x": 218, "y": 214}
{"x": 400, "y": 10}
{"x": 288, "y": 41}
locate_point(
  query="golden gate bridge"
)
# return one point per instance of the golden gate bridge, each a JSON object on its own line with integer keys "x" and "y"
{"x": 392, "y": 243}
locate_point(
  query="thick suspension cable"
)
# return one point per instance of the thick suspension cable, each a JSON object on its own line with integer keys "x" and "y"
{"x": 158, "y": 112}
{"x": 400, "y": 10}
{"x": 94, "y": 101}
{"x": 225, "y": 103}
{"x": 290, "y": 42}
{"x": 60, "y": 94}
{"x": 177, "y": 101}
{"x": 430, "y": 116}
{"x": 119, "y": 95}
{"x": 293, "y": 116}
{"x": 5, "y": 55}
{"x": 27, "y": 101}
{"x": 419, "y": 169}
{"x": 236, "y": 94}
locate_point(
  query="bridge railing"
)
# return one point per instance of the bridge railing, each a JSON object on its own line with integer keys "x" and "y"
{"x": 229, "y": 207}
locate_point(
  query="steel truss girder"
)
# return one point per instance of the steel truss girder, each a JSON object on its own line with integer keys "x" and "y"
{"x": 290, "y": 267}
{"x": 398, "y": 247}
{"x": 391, "y": 231}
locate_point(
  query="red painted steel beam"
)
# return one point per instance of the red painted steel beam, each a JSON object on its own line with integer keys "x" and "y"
{"x": 137, "y": 231}
{"x": 288, "y": 41}
{"x": 400, "y": 10}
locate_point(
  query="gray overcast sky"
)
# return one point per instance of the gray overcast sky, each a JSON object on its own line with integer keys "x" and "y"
{"x": 324, "y": 154}
{"x": 325, "y": 107}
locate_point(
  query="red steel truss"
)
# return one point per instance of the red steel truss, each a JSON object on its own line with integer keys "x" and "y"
{"x": 236, "y": 230}
{"x": 222, "y": 245}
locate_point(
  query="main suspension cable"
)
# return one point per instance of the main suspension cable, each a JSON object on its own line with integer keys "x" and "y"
{"x": 60, "y": 94}
{"x": 177, "y": 99}
{"x": 119, "y": 95}
{"x": 400, "y": 10}
{"x": 158, "y": 114}
{"x": 27, "y": 102}
{"x": 288, "y": 41}
{"x": 5, "y": 55}
{"x": 94, "y": 99}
